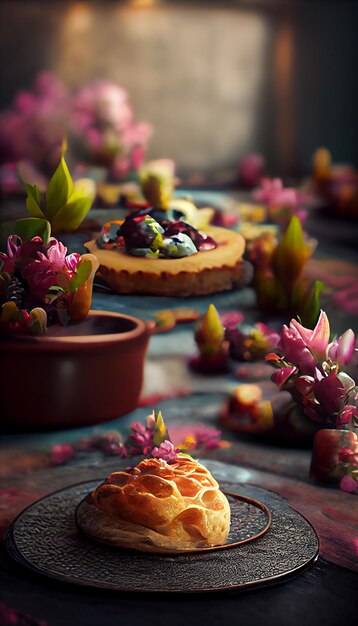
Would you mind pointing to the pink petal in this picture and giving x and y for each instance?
(304, 384)
(347, 414)
(341, 350)
(280, 377)
(316, 339)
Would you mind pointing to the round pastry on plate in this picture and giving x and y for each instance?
(157, 507)
(158, 252)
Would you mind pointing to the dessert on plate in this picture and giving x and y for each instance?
(158, 506)
(159, 252)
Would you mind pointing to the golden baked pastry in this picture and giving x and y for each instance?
(157, 507)
(219, 269)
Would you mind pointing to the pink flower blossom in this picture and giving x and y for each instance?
(34, 128)
(9, 259)
(305, 384)
(251, 168)
(282, 376)
(104, 129)
(347, 414)
(317, 339)
(71, 261)
(61, 453)
(55, 252)
(294, 348)
(329, 392)
(348, 484)
(274, 194)
(230, 319)
(141, 439)
(343, 453)
(165, 451)
(341, 350)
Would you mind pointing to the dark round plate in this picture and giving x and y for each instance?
(45, 540)
(249, 520)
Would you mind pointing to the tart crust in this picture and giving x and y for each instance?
(207, 272)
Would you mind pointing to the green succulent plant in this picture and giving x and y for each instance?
(64, 205)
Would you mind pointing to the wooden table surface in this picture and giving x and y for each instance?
(326, 593)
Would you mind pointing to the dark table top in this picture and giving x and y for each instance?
(324, 593)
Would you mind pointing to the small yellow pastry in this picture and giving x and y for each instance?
(158, 507)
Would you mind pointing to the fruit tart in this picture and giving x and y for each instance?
(159, 252)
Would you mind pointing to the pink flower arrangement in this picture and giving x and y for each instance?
(165, 451)
(249, 342)
(34, 128)
(311, 369)
(98, 120)
(150, 440)
(104, 130)
(38, 264)
(36, 273)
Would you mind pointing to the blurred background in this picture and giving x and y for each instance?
(214, 80)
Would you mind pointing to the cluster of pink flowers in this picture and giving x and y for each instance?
(98, 121)
(104, 129)
(38, 264)
(34, 128)
(311, 369)
(248, 342)
(282, 202)
(140, 442)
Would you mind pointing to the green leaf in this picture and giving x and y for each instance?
(75, 210)
(33, 208)
(30, 227)
(160, 431)
(33, 200)
(82, 274)
(291, 254)
(33, 191)
(310, 304)
(59, 190)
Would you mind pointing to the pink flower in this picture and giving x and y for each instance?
(141, 439)
(230, 319)
(34, 128)
(199, 436)
(295, 350)
(55, 252)
(274, 194)
(317, 339)
(72, 260)
(347, 414)
(104, 129)
(348, 484)
(61, 453)
(341, 350)
(39, 276)
(329, 392)
(9, 259)
(305, 384)
(282, 376)
(343, 453)
(251, 169)
(165, 451)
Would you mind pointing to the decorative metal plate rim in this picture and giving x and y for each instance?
(226, 546)
(20, 559)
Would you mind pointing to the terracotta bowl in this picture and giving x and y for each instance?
(84, 373)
